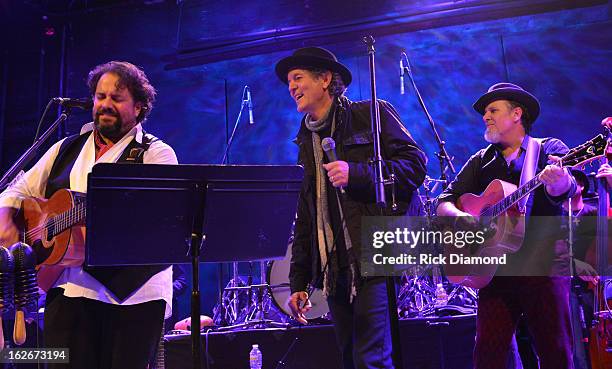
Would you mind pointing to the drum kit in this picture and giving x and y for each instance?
(265, 304)
(422, 292)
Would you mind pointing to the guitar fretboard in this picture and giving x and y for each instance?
(503, 205)
(67, 219)
(589, 150)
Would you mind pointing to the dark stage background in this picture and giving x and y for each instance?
(199, 55)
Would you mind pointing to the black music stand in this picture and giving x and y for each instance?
(172, 214)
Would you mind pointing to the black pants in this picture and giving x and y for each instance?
(363, 328)
(544, 303)
(100, 335)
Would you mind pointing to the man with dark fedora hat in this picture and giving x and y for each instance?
(335, 195)
(519, 288)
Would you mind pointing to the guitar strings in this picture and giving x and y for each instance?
(60, 222)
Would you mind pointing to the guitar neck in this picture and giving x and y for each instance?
(504, 204)
(69, 218)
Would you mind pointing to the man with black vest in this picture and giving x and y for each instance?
(335, 194)
(108, 317)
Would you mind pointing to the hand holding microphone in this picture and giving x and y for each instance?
(337, 170)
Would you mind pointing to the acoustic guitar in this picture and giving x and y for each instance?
(497, 205)
(55, 228)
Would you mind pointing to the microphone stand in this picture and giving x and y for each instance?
(221, 310)
(245, 101)
(379, 185)
(196, 345)
(33, 150)
(446, 162)
(251, 315)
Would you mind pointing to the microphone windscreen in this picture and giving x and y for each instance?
(7, 263)
(26, 288)
(328, 144)
(24, 256)
(7, 270)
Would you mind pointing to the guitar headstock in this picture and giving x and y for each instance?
(606, 123)
(592, 149)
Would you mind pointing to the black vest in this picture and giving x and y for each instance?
(121, 281)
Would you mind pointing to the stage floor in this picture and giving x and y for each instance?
(427, 343)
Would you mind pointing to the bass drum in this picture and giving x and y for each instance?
(279, 284)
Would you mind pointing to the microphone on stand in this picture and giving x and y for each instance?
(402, 75)
(329, 147)
(404, 57)
(26, 288)
(7, 267)
(249, 103)
(84, 103)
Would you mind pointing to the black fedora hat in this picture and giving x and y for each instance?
(512, 92)
(582, 178)
(312, 57)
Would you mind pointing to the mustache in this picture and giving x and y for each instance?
(107, 111)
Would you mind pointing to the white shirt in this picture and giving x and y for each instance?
(75, 281)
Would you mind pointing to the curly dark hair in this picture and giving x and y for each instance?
(336, 87)
(130, 77)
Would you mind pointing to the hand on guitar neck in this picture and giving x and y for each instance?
(605, 170)
(9, 233)
(555, 178)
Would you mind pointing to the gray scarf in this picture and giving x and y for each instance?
(325, 234)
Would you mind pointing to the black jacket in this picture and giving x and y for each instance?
(354, 144)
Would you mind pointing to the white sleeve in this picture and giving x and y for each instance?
(160, 153)
(33, 183)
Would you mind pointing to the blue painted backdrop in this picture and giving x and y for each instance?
(561, 57)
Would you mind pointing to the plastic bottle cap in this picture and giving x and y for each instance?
(255, 346)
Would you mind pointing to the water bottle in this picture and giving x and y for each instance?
(255, 359)
(441, 296)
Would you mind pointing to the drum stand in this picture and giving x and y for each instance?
(417, 296)
(230, 310)
(258, 306)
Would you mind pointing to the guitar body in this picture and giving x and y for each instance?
(59, 242)
(509, 232)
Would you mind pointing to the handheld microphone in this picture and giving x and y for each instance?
(26, 288)
(84, 103)
(250, 105)
(329, 147)
(401, 75)
(7, 267)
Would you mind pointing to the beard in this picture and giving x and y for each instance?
(492, 136)
(112, 131)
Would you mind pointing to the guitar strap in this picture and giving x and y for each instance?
(530, 165)
(59, 176)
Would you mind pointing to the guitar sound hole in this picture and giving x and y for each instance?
(50, 233)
